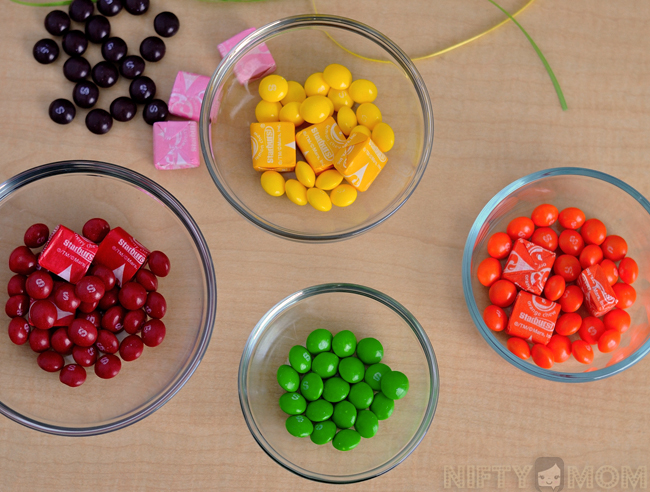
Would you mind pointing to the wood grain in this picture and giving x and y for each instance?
(497, 118)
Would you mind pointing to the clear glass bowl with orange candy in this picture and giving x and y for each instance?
(555, 274)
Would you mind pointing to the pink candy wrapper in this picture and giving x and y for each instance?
(176, 145)
(187, 95)
(255, 64)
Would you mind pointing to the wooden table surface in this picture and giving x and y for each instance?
(497, 118)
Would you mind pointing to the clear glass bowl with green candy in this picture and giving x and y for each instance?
(366, 313)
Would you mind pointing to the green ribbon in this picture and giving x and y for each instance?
(556, 84)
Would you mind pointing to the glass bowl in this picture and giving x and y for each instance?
(300, 47)
(70, 193)
(622, 209)
(367, 313)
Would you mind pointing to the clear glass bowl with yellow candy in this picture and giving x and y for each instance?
(328, 129)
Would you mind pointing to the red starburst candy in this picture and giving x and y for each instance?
(67, 254)
(533, 318)
(120, 252)
(529, 266)
(599, 295)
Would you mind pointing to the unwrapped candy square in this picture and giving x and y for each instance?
(253, 65)
(176, 145)
(187, 95)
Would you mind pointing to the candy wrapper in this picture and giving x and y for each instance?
(67, 254)
(533, 318)
(529, 266)
(176, 145)
(273, 146)
(360, 161)
(600, 298)
(320, 143)
(123, 254)
(255, 64)
(187, 95)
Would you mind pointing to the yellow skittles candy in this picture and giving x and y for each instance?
(295, 93)
(368, 115)
(315, 85)
(363, 91)
(305, 174)
(296, 192)
(383, 136)
(328, 180)
(340, 99)
(315, 109)
(273, 183)
(346, 119)
(361, 129)
(319, 199)
(337, 167)
(267, 112)
(273, 88)
(291, 113)
(343, 195)
(337, 76)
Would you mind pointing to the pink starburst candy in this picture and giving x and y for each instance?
(187, 95)
(176, 145)
(255, 64)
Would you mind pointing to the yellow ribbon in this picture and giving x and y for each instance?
(431, 55)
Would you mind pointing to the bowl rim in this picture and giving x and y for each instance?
(103, 169)
(486, 333)
(272, 30)
(396, 307)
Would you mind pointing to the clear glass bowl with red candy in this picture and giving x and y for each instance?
(624, 213)
(184, 299)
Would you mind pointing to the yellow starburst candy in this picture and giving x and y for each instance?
(320, 143)
(360, 161)
(273, 146)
